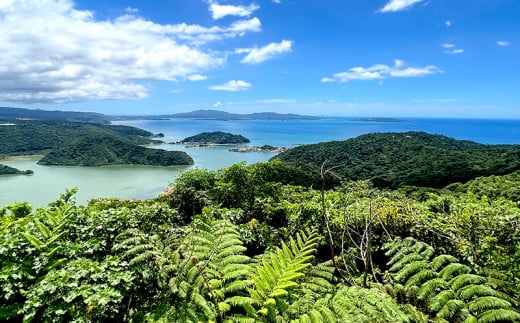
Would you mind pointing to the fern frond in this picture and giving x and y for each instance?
(430, 288)
(438, 301)
(487, 303)
(471, 291)
(466, 279)
(454, 268)
(410, 269)
(450, 309)
(500, 315)
(441, 261)
(420, 277)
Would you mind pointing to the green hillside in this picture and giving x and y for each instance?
(410, 158)
(26, 136)
(102, 151)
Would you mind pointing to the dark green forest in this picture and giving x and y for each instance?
(391, 160)
(243, 244)
(7, 170)
(216, 137)
(85, 144)
(102, 151)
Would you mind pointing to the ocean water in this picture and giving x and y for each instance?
(145, 182)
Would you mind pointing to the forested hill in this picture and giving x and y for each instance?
(216, 137)
(85, 144)
(24, 136)
(102, 151)
(409, 158)
(7, 170)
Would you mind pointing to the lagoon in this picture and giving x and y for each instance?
(142, 182)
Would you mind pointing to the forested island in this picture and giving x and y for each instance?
(215, 138)
(7, 170)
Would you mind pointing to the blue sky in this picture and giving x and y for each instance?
(401, 58)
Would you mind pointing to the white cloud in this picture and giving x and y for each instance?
(270, 51)
(503, 43)
(277, 1)
(454, 51)
(399, 5)
(196, 77)
(232, 86)
(53, 52)
(219, 11)
(451, 49)
(380, 72)
(448, 23)
(217, 104)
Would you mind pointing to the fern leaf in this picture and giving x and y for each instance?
(410, 270)
(33, 240)
(454, 268)
(441, 261)
(471, 291)
(438, 301)
(466, 279)
(487, 303)
(45, 232)
(499, 315)
(450, 309)
(419, 278)
(430, 287)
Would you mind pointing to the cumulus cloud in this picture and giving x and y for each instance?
(503, 43)
(220, 11)
(232, 86)
(258, 55)
(52, 52)
(380, 72)
(399, 5)
(448, 23)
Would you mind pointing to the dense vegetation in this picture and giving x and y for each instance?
(85, 144)
(216, 137)
(30, 136)
(7, 170)
(238, 245)
(410, 158)
(102, 151)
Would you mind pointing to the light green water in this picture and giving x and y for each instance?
(48, 182)
(139, 182)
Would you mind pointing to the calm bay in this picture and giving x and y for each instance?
(145, 182)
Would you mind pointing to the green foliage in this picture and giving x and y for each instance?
(102, 151)
(397, 159)
(216, 137)
(445, 288)
(7, 170)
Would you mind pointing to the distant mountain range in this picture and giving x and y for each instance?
(7, 114)
(221, 115)
(19, 113)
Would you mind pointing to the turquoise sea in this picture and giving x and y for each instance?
(145, 182)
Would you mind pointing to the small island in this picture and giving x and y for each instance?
(214, 138)
(7, 170)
